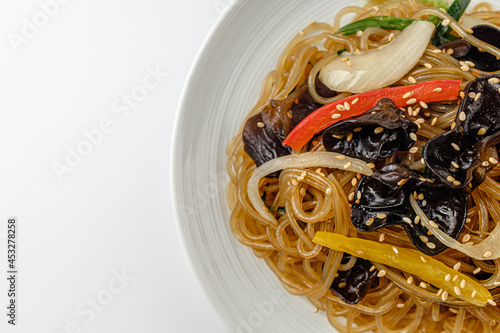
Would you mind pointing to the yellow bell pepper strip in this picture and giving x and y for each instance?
(411, 261)
(355, 105)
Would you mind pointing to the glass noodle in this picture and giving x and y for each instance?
(299, 209)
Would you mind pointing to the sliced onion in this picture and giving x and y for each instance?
(380, 67)
(305, 160)
(487, 249)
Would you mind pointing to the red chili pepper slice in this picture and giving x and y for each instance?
(355, 105)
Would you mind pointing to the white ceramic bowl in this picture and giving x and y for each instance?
(222, 87)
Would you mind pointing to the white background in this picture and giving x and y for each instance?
(70, 70)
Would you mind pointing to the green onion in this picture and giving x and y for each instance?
(384, 22)
(456, 10)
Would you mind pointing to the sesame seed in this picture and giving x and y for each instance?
(381, 215)
(439, 292)
(340, 157)
(381, 273)
(300, 179)
(391, 36)
(473, 294)
(411, 101)
(381, 238)
(344, 59)
(370, 221)
(447, 278)
(359, 33)
(349, 137)
(423, 259)
(357, 129)
(462, 116)
(494, 80)
(465, 68)
(445, 22)
(354, 101)
(434, 121)
(360, 252)
(455, 278)
(395, 249)
(302, 192)
(431, 245)
(462, 94)
(477, 270)
(410, 111)
(358, 176)
(342, 285)
(444, 296)
(261, 124)
(492, 160)
(462, 283)
(487, 254)
(294, 182)
(423, 238)
(371, 165)
(358, 195)
(429, 66)
(455, 164)
(477, 97)
(349, 63)
(453, 125)
(354, 181)
(457, 290)
(469, 30)
(491, 302)
(338, 137)
(438, 90)
(400, 305)
(347, 106)
(455, 146)
(413, 150)
(416, 220)
(420, 120)
(433, 224)
(457, 183)
(420, 197)
(424, 203)
(289, 114)
(329, 191)
(423, 285)
(482, 131)
(413, 136)
(372, 268)
(412, 79)
(457, 266)
(465, 238)
(378, 130)
(408, 94)
(415, 195)
(485, 163)
(340, 107)
(347, 165)
(472, 94)
(451, 179)
(407, 220)
(437, 51)
(336, 116)
(450, 51)
(351, 196)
